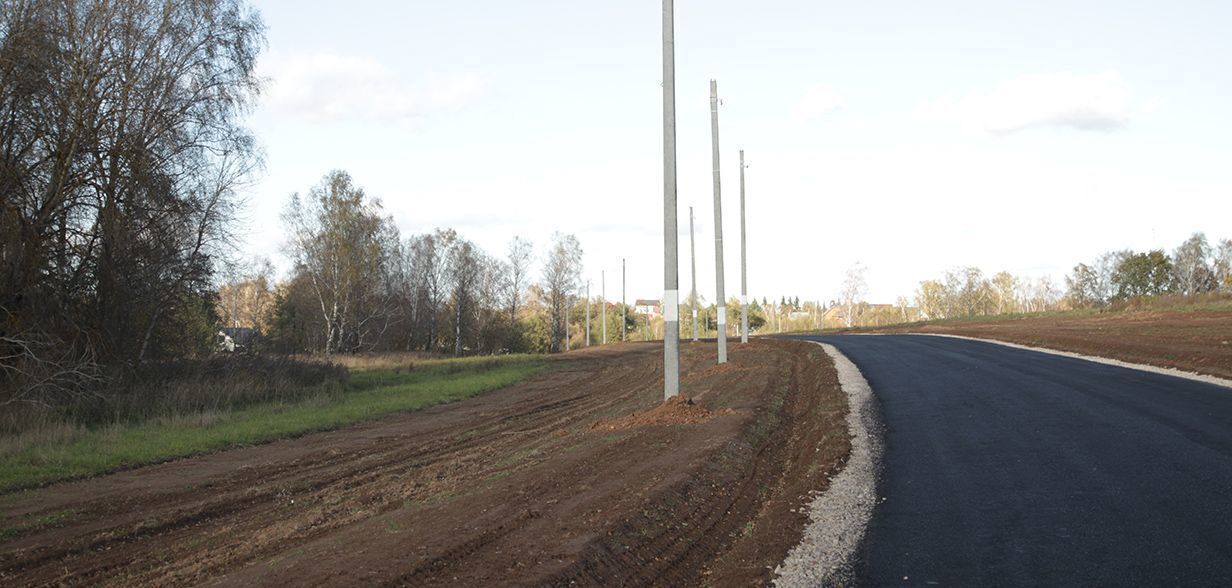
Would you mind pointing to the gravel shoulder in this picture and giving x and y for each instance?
(839, 515)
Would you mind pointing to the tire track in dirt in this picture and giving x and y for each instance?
(511, 484)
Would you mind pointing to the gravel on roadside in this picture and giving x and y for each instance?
(839, 516)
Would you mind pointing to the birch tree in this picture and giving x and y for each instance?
(430, 255)
(520, 255)
(561, 271)
(1082, 286)
(465, 272)
(931, 298)
(1003, 286)
(336, 239)
(1191, 271)
(854, 290)
(1221, 265)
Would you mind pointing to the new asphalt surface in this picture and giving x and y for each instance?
(1009, 467)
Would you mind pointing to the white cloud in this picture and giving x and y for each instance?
(819, 99)
(1099, 102)
(329, 87)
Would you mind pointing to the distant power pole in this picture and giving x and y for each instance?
(588, 313)
(744, 266)
(671, 283)
(623, 306)
(603, 301)
(718, 221)
(567, 322)
(693, 262)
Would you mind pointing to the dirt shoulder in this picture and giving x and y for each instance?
(575, 476)
(1195, 341)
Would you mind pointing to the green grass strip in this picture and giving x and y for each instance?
(371, 394)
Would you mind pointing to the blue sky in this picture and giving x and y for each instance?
(912, 137)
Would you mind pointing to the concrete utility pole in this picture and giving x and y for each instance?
(603, 301)
(566, 322)
(744, 265)
(623, 306)
(588, 313)
(718, 221)
(671, 284)
(693, 262)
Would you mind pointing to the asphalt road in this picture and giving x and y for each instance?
(1007, 467)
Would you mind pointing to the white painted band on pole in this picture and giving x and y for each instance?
(744, 301)
(722, 315)
(671, 303)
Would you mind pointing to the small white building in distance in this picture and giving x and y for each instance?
(650, 308)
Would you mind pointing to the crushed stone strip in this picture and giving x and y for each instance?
(839, 516)
(1097, 359)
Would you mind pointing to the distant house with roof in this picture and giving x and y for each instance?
(650, 308)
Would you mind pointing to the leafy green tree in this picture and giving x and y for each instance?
(1143, 274)
(757, 316)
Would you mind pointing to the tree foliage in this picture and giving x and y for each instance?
(965, 292)
(1143, 274)
(854, 290)
(561, 275)
(342, 244)
(121, 152)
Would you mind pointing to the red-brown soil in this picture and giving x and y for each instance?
(1195, 340)
(524, 485)
(677, 410)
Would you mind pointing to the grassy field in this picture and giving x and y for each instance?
(375, 390)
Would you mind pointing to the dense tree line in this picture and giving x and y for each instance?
(121, 152)
(1195, 267)
(358, 285)
(967, 292)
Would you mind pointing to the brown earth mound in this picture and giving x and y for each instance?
(714, 370)
(677, 410)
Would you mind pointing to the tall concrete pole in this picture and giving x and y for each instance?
(693, 262)
(603, 301)
(744, 264)
(671, 284)
(588, 313)
(567, 321)
(623, 306)
(720, 296)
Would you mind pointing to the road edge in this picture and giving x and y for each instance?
(839, 516)
(1197, 377)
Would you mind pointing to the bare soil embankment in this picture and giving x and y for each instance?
(1191, 340)
(576, 476)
